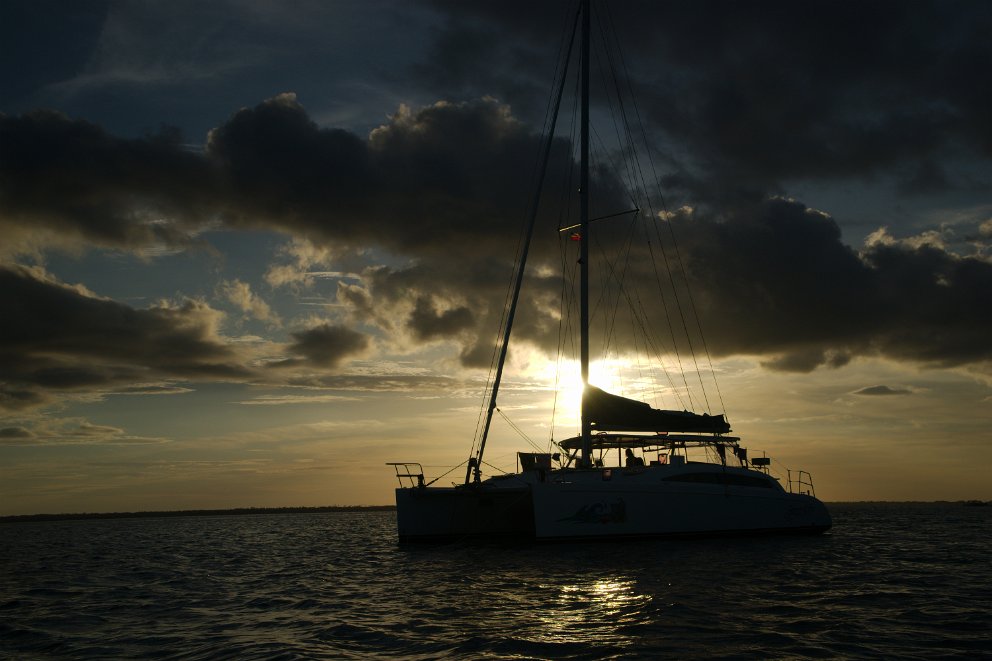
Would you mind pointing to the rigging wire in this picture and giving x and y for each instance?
(656, 180)
(659, 354)
(609, 49)
(611, 274)
(448, 472)
(627, 161)
(517, 429)
(564, 48)
(639, 315)
(627, 143)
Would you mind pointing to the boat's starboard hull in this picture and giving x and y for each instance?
(591, 509)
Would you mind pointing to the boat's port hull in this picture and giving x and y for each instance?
(449, 514)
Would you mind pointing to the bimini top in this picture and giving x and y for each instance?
(623, 441)
(614, 413)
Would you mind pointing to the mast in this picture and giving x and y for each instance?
(584, 236)
(475, 463)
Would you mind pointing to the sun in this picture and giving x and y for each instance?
(620, 376)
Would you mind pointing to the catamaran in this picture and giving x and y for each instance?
(633, 470)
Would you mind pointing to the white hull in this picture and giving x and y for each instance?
(659, 501)
(653, 501)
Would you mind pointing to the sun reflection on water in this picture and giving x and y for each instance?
(598, 609)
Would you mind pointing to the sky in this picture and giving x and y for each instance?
(252, 251)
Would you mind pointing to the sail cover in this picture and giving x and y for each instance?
(614, 413)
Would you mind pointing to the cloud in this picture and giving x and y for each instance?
(60, 338)
(70, 431)
(881, 390)
(426, 210)
(153, 389)
(240, 294)
(279, 400)
(303, 256)
(324, 346)
(448, 170)
(70, 180)
(806, 360)
(780, 271)
(274, 150)
(427, 322)
(752, 96)
(382, 382)
(65, 341)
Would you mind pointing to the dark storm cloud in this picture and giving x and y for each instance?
(752, 94)
(935, 307)
(776, 279)
(428, 322)
(73, 178)
(58, 338)
(447, 169)
(444, 186)
(277, 164)
(443, 190)
(433, 185)
(806, 360)
(324, 346)
(772, 279)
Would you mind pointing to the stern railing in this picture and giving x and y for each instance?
(405, 474)
(802, 483)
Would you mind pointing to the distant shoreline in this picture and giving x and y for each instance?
(238, 511)
(248, 511)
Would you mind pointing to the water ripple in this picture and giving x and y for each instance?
(909, 581)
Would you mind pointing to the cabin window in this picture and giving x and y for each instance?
(721, 478)
(534, 461)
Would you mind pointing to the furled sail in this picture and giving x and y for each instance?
(609, 412)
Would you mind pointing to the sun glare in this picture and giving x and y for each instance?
(620, 376)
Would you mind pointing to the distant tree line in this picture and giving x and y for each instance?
(238, 511)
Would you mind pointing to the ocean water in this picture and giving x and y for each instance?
(889, 581)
